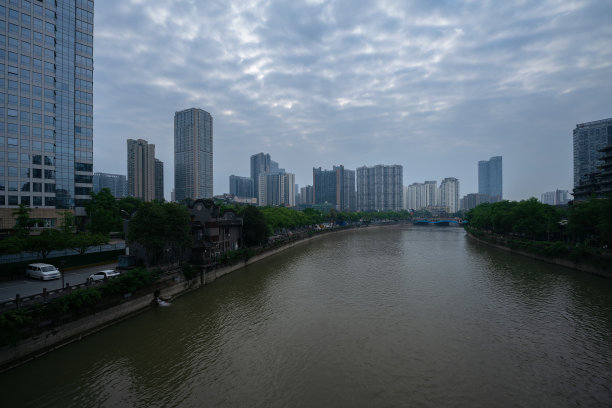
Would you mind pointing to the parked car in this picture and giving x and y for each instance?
(101, 275)
(42, 271)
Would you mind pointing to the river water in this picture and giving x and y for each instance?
(387, 317)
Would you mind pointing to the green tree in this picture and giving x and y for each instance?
(48, 240)
(254, 228)
(162, 229)
(103, 213)
(82, 242)
(23, 222)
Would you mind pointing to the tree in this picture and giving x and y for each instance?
(161, 229)
(82, 242)
(103, 213)
(23, 223)
(48, 240)
(254, 227)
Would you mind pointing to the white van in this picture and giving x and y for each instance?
(42, 271)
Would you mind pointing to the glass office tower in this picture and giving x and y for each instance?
(490, 180)
(46, 103)
(193, 154)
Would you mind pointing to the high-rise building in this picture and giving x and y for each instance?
(422, 195)
(335, 187)
(589, 139)
(46, 105)
(193, 154)
(306, 195)
(241, 186)
(379, 188)
(558, 197)
(473, 200)
(116, 183)
(490, 181)
(276, 189)
(262, 163)
(449, 194)
(141, 169)
(159, 180)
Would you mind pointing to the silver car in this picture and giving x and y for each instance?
(42, 271)
(101, 275)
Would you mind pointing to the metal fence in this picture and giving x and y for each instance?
(29, 256)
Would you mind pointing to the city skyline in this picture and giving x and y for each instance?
(433, 88)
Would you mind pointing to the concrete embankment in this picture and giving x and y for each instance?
(580, 266)
(30, 348)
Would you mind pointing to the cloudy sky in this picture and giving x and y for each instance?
(432, 85)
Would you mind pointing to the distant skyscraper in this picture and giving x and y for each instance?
(306, 195)
(335, 186)
(46, 120)
(323, 186)
(558, 197)
(276, 189)
(380, 188)
(141, 169)
(449, 194)
(589, 139)
(262, 163)
(159, 180)
(490, 178)
(116, 183)
(422, 195)
(193, 154)
(241, 186)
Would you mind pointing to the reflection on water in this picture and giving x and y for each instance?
(377, 317)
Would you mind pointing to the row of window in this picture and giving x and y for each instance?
(27, 5)
(26, 46)
(36, 200)
(26, 61)
(83, 107)
(80, 155)
(84, 96)
(81, 131)
(25, 101)
(12, 142)
(84, 49)
(84, 14)
(84, 143)
(25, 174)
(82, 25)
(85, 61)
(82, 84)
(24, 130)
(83, 120)
(85, 3)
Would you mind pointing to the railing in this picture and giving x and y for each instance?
(30, 256)
(48, 295)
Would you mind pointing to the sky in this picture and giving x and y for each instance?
(434, 86)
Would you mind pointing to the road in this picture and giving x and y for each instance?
(28, 286)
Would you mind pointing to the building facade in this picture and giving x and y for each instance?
(306, 195)
(599, 183)
(116, 183)
(473, 200)
(141, 169)
(422, 195)
(46, 106)
(193, 154)
(335, 187)
(490, 178)
(262, 163)
(159, 180)
(589, 139)
(449, 194)
(276, 189)
(558, 197)
(241, 186)
(380, 188)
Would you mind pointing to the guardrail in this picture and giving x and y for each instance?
(48, 295)
(30, 256)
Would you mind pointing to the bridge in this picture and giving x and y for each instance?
(439, 222)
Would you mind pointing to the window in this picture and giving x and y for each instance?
(49, 161)
(36, 159)
(24, 172)
(25, 186)
(50, 201)
(12, 200)
(37, 173)
(12, 171)
(49, 147)
(13, 185)
(37, 187)
(12, 142)
(25, 199)
(49, 188)
(36, 200)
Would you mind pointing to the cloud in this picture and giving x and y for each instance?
(432, 86)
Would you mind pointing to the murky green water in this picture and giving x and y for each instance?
(392, 317)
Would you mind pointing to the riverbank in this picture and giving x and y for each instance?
(576, 265)
(174, 285)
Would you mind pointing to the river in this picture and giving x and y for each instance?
(378, 317)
